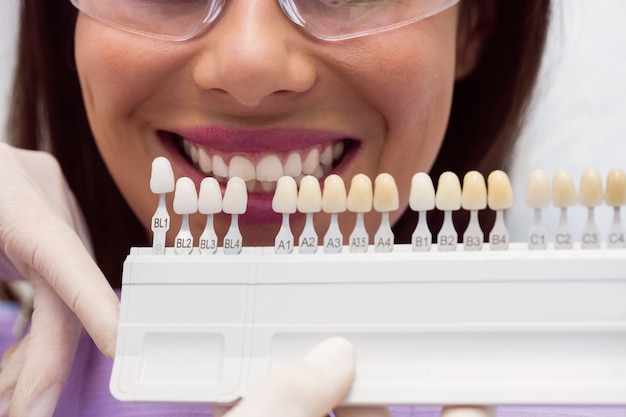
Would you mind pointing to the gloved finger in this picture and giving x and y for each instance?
(218, 410)
(11, 367)
(12, 353)
(362, 412)
(54, 336)
(468, 411)
(310, 388)
(41, 229)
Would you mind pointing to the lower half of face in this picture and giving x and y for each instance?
(286, 105)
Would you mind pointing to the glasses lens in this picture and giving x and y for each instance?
(341, 19)
(177, 19)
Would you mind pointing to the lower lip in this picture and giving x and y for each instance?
(259, 209)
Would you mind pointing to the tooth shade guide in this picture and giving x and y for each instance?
(448, 199)
(334, 201)
(285, 199)
(285, 202)
(209, 203)
(591, 195)
(499, 198)
(333, 239)
(615, 196)
(616, 236)
(308, 240)
(185, 203)
(588, 196)
(159, 225)
(386, 199)
(537, 197)
(284, 241)
(499, 191)
(494, 320)
(234, 203)
(161, 183)
(358, 242)
(591, 191)
(537, 235)
(473, 199)
(360, 201)
(309, 202)
(162, 176)
(235, 199)
(421, 200)
(564, 195)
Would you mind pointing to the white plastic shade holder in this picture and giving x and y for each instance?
(466, 327)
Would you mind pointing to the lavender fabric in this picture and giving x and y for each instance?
(87, 392)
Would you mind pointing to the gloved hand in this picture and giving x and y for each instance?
(311, 387)
(315, 385)
(43, 238)
(468, 411)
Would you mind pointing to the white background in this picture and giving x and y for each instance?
(579, 117)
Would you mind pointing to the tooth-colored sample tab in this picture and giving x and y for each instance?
(235, 197)
(538, 190)
(563, 190)
(310, 195)
(185, 196)
(210, 197)
(615, 195)
(286, 196)
(334, 199)
(500, 192)
(386, 196)
(162, 177)
(591, 193)
(361, 195)
(448, 195)
(474, 194)
(422, 196)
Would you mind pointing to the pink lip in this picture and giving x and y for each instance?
(238, 140)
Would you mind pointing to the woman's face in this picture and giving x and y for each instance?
(254, 89)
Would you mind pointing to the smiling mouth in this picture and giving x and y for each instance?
(262, 170)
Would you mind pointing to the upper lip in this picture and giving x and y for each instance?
(257, 140)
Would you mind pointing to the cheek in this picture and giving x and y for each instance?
(412, 87)
(119, 74)
(120, 85)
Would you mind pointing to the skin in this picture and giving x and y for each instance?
(255, 69)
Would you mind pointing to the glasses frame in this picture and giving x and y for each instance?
(289, 7)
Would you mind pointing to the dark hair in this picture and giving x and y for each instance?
(48, 113)
(489, 106)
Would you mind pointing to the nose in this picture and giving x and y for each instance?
(252, 52)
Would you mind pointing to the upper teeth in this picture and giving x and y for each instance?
(265, 167)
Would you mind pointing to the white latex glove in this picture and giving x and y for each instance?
(468, 411)
(44, 239)
(315, 385)
(311, 387)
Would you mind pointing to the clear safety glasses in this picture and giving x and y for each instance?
(330, 20)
